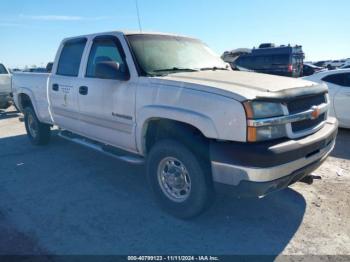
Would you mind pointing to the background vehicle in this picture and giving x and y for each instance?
(5, 87)
(346, 64)
(268, 59)
(322, 63)
(231, 56)
(310, 69)
(36, 70)
(335, 64)
(169, 101)
(14, 70)
(338, 82)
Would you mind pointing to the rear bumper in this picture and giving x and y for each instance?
(258, 169)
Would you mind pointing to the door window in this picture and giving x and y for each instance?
(107, 60)
(3, 70)
(69, 62)
(337, 79)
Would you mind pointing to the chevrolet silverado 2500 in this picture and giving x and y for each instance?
(170, 102)
(5, 87)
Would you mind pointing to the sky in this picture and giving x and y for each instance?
(30, 31)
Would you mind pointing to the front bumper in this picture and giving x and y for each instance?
(256, 169)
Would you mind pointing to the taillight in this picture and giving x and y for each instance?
(290, 68)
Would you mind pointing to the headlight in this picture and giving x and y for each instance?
(258, 109)
(263, 133)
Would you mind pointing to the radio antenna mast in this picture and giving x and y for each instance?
(138, 14)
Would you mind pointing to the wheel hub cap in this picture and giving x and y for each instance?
(174, 179)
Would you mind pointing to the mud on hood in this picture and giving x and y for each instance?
(243, 85)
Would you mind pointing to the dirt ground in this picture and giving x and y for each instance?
(66, 199)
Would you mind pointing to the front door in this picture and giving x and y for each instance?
(107, 95)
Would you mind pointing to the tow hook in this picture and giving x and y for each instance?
(309, 179)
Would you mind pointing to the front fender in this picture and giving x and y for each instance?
(200, 121)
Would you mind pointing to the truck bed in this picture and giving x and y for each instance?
(35, 84)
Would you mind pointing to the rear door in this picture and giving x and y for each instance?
(5, 80)
(64, 84)
(107, 94)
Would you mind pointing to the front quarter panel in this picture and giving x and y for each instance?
(216, 116)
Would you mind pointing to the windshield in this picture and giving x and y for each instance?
(167, 54)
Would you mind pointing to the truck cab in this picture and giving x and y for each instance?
(171, 103)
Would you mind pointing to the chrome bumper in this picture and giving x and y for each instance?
(233, 174)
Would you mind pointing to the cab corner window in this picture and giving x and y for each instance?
(107, 60)
(70, 58)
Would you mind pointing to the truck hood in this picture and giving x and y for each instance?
(242, 85)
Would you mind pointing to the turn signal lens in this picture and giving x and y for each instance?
(251, 134)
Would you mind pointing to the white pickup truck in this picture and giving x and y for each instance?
(5, 87)
(170, 102)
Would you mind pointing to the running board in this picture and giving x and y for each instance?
(105, 149)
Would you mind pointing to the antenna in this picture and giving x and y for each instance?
(138, 14)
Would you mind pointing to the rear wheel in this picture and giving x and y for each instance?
(178, 179)
(38, 133)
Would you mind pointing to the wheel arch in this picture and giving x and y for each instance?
(163, 119)
(26, 98)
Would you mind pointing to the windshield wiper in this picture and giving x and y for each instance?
(214, 68)
(176, 69)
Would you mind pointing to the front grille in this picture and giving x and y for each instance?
(307, 124)
(303, 104)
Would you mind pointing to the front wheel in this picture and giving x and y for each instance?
(178, 179)
(38, 133)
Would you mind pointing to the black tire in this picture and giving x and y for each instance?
(42, 131)
(201, 193)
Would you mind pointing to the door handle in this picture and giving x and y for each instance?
(83, 90)
(55, 87)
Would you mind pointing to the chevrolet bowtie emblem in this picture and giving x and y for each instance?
(316, 111)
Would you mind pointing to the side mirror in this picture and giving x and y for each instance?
(111, 70)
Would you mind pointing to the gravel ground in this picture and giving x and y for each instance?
(66, 199)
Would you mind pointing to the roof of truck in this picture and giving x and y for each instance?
(126, 32)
